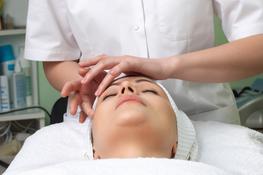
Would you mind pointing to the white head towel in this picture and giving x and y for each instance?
(187, 148)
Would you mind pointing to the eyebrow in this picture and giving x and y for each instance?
(137, 81)
(145, 80)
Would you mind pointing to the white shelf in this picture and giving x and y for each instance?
(16, 37)
(12, 32)
(25, 115)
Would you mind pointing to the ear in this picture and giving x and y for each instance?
(95, 155)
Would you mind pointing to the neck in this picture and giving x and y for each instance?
(132, 150)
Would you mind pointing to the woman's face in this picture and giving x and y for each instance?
(133, 118)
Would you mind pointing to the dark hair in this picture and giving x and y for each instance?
(91, 137)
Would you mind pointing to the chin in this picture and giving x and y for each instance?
(131, 117)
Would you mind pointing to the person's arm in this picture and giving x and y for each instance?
(64, 76)
(60, 72)
(228, 62)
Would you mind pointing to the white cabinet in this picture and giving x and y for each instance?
(36, 116)
(16, 37)
(17, 11)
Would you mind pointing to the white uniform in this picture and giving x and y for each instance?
(70, 29)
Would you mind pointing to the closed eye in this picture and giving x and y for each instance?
(150, 91)
(108, 96)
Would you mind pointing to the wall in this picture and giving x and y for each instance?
(47, 94)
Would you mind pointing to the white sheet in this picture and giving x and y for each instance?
(233, 149)
(140, 166)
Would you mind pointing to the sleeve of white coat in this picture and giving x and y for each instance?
(48, 35)
(240, 18)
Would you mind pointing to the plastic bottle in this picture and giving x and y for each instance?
(7, 65)
(7, 60)
(18, 87)
(27, 70)
(4, 94)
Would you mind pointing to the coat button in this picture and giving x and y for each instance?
(136, 28)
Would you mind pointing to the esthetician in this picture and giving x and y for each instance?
(164, 39)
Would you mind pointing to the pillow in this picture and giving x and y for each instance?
(233, 148)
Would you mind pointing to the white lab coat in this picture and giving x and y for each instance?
(70, 29)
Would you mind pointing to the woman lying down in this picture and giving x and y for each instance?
(135, 117)
(136, 129)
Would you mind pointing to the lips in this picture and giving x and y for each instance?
(128, 98)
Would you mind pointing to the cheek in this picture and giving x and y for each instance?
(102, 119)
(166, 120)
(105, 107)
(163, 112)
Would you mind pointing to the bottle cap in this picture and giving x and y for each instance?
(6, 53)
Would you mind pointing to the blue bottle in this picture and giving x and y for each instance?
(7, 60)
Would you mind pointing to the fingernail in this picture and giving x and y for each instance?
(97, 93)
(112, 72)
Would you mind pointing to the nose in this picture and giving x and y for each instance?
(127, 88)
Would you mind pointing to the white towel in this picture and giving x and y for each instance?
(140, 166)
(232, 148)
